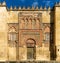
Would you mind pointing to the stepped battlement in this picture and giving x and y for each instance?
(15, 8)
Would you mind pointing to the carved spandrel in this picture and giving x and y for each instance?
(13, 26)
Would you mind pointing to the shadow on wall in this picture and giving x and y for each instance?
(52, 36)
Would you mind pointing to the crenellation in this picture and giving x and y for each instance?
(49, 8)
(0, 3)
(28, 8)
(45, 8)
(37, 8)
(4, 3)
(41, 8)
(59, 3)
(19, 8)
(11, 8)
(15, 8)
(24, 8)
(32, 8)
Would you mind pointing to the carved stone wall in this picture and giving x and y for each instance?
(8, 50)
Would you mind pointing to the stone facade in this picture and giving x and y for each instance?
(35, 29)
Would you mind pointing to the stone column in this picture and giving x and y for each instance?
(17, 52)
(30, 23)
(26, 23)
(37, 23)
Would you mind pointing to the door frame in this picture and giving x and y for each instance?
(31, 44)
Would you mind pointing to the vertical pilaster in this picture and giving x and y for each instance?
(30, 23)
(57, 31)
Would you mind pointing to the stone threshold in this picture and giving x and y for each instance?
(30, 62)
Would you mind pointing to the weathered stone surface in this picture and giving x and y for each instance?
(8, 53)
(57, 29)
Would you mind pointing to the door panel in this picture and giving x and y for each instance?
(30, 53)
